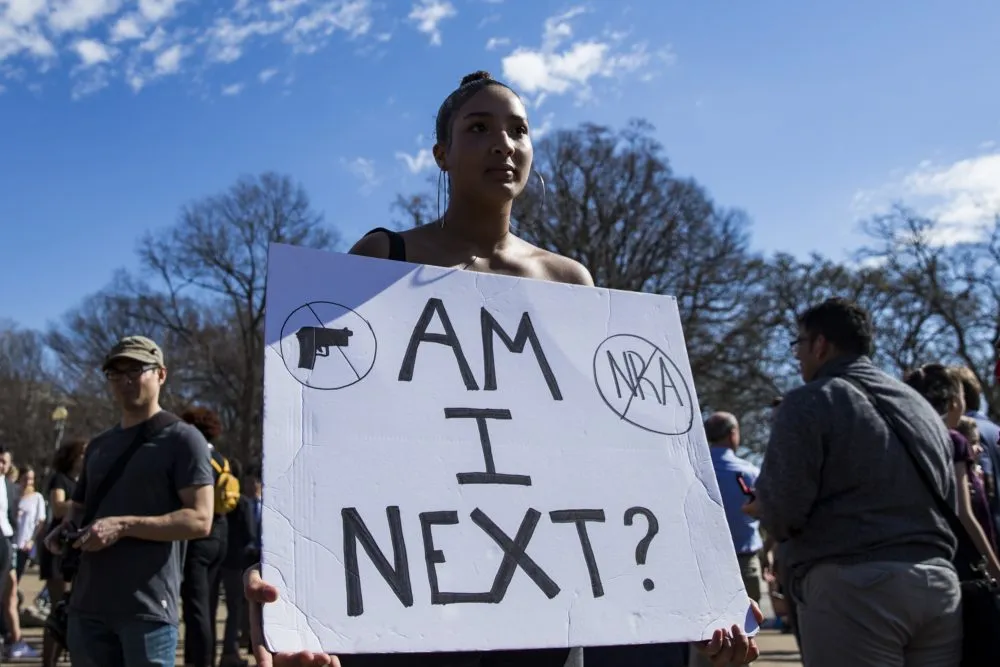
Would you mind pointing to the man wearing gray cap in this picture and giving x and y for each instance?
(146, 488)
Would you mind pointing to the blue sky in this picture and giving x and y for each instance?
(808, 115)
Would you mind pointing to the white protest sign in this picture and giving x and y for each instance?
(458, 461)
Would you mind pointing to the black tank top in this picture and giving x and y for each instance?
(397, 246)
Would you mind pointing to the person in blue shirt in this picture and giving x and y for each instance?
(723, 433)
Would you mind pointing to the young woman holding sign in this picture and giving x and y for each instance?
(484, 153)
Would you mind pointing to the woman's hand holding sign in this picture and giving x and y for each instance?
(727, 646)
(258, 592)
(732, 648)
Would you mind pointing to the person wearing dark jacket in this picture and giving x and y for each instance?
(241, 552)
(867, 551)
(203, 562)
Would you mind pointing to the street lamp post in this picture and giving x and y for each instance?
(59, 416)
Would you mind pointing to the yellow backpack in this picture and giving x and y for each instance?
(227, 487)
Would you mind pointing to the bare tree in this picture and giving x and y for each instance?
(86, 333)
(416, 210)
(948, 292)
(27, 395)
(612, 202)
(215, 256)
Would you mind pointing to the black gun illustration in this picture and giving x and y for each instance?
(317, 341)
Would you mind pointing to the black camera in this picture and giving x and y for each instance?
(69, 561)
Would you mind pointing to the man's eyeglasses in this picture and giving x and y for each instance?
(116, 374)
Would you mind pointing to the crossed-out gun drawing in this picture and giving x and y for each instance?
(317, 341)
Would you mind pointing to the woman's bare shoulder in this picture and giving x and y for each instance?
(563, 269)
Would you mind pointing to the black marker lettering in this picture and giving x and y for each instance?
(637, 369)
(634, 375)
(434, 557)
(626, 377)
(667, 380)
(491, 476)
(449, 338)
(398, 578)
(580, 518)
(525, 334)
(514, 555)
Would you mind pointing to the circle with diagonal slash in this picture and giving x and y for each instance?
(643, 386)
(327, 346)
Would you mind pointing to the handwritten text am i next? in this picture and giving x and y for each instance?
(451, 455)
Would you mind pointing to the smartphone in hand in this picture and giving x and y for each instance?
(747, 491)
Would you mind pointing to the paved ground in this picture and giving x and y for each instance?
(778, 650)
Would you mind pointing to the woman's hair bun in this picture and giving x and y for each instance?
(475, 76)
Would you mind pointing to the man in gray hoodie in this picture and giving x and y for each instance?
(868, 551)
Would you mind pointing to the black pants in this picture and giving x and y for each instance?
(232, 583)
(526, 658)
(23, 558)
(201, 577)
(640, 655)
(648, 655)
(8, 563)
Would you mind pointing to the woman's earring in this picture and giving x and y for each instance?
(439, 216)
(541, 182)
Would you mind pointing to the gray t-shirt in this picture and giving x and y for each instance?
(138, 579)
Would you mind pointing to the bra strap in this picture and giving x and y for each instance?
(397, 246)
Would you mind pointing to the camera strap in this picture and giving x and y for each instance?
(147, 430)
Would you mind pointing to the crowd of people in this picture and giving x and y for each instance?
(869, 487)
(849, 518)
(212, 566)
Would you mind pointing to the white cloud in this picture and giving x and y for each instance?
(561, 66)
(155, 11)
(74, 15)
(557, 28)
(496, 43)
(308, 32)
(92, 52)
(92, 81)
(232, 89)
(155, 41)
(419, 162)
(267, 74)
(15, 40)
(488, 19)
(963, 196)
(226, 37)
(539, 131)
(364, 169)
(126, 29)
(428, 14)
(152, 38)
(23, 12)
(169, 60)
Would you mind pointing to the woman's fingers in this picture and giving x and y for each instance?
(757, 613)
(256, 589)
